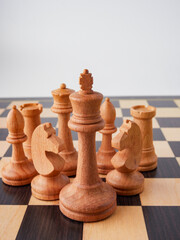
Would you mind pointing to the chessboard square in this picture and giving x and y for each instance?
(171, 134)
(3, 122)
(3, 133)
(5, 113)
(1, 110)
(3, 162)
(75, 143)
(11, 195)
(53, 121)
(155, 123)
(126, 112)
(128, 200)
(118, 112)
(19, 103)
(4, 104)
(158, 135)
(167, 168)
(178, 160)
(115, 103)
(98, 136)
(4, 146)
(46, 104)
(175, 146)
(47, 222)
(47, 113)
(133, 102)
(74, 135)
(11, 218)
(177, 101)
(167, 112)
(161, 192)
(162, 222)
(8, 152)
(98, 144)
(162, 103)
(163, 149)
(35, 201)
(169, 122)
(118, 122)
(127, 222)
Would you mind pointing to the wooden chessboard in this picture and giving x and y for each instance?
(154, 214)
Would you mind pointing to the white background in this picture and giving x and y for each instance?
(132, 47)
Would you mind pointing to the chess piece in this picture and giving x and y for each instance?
(19, 171)
(62, 106)
(143, 117)
(125, 178)
(48, 163)
(87, 198)
(106, 151)
(31, 113)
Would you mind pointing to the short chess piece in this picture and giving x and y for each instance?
(125, 178)
(19, 171)
(62, 106)
(143, 117)
(48, 163)
(106, 151)
(87, 198)
(31, 113)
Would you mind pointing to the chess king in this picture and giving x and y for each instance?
(87, 198)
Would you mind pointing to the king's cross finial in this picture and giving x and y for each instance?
(86, 81)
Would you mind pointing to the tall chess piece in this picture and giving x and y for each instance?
(106, 151)
(48, 163)
(31, 113)
(19, 171)
(62, 106)
(125, 179)
(143, 117)
(87, 198)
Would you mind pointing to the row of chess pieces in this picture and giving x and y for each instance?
(45, 160)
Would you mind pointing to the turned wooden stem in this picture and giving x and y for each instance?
(64, 132)
(106, 143)
(17, 152)
(87, 160)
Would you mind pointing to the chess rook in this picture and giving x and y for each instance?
(87, 198)
(143, 117)
(31, 113)
(125, 178)
(106, 151)
(48, 163)
(62, 106)
(20, 170)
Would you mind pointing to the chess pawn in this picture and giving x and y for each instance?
(62, 106)
(106, 151)
(125, 178)
(87, 198)
(19, 171)
(31, 113)
(48, 163)
(143, 117)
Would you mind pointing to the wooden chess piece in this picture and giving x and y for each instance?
(62, 106)
(106, 151)
(143, 117)
(87, 198)
(45, 150)
(125, 178)
(19, 171)
(31, 113)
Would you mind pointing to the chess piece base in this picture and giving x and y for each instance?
(18, 174)
(104, 161)
(70, 165)
(87, 205)
(126, 184)
(48, 188)
(148, 161)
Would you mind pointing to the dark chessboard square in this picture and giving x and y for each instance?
(128, 200)
(158, 135)
(162, 222)
(47, 104)
(118, 122)
(169, 122)
(53, 121)
(98, 144)
(8, 152)
(175, 146)
(126, 112)
(167, 168)
(115, 103)
(11, 195)
(47, 222)
(162, 103)
(74, 135)
(5, 113)
(3, 133)
(4, 104)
